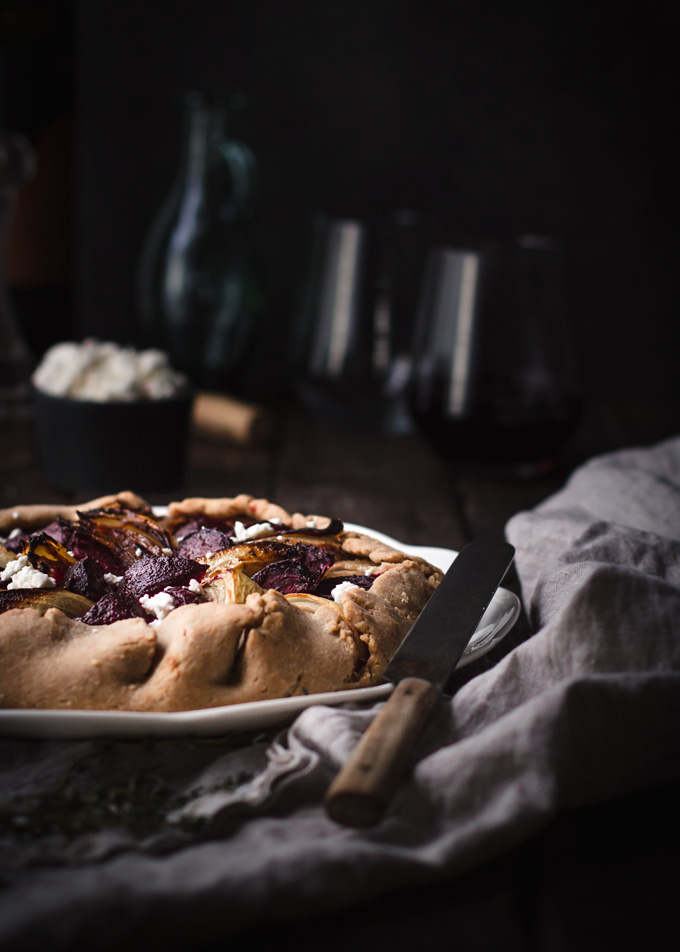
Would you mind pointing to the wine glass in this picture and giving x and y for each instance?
(350, 341)
(494, 376)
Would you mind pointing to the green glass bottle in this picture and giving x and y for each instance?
(199, 292)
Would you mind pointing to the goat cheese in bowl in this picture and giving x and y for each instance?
(106, 372)
(108, 415)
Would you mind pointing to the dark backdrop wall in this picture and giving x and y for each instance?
(497, 118)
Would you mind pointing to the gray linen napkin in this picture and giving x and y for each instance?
(582, 711)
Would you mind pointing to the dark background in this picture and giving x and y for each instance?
(496, 118)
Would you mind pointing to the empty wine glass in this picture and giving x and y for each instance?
(352, 334)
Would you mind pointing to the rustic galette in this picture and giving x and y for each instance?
(112, 606)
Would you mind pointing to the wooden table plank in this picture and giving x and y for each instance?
(223, 469)
(391, 483)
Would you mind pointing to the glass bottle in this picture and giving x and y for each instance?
(17, 164)
(199, 293)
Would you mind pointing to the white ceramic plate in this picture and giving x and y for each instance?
(496, 622)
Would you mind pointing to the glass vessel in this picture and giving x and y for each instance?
(199, 294)
(350, 340)
(495, 377)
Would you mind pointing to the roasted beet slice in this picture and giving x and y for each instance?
(152, 574)
(182, 595)
(286, 576)
(202, 541)
(183, 531)
(84, 545)
(85, 577)
(300, 572)
(315, 558)
(326, 585)
(17, 543)
(116, 537)
(114, 606)
(205, 522)
(59, 530)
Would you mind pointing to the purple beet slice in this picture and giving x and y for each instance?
(17, 543)
(151, 574)
(114, 606)
(116, 537)
(205, 522)
(300, 572)
(84, 545)
(286, 576)
(181, 595)
(326, 585)
(202, 541)
(86, 577)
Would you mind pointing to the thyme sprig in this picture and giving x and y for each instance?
(142, 804)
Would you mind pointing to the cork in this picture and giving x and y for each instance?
(217, 416)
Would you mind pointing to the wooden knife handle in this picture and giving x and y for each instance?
(362, 790)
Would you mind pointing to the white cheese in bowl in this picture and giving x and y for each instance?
(105, 372)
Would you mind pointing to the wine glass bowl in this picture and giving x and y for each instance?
(351, 337)
(494, 376)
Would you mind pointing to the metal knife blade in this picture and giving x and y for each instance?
(420, 668)
(441, 633)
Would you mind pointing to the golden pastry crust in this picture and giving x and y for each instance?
(35, 517)
(262, 645)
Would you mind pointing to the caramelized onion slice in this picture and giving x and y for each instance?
(249, 557)
(68, 602)
(352, 567)
(126, 533)
(231, 586)
(6, 556)
(48, 555)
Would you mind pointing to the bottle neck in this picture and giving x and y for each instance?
(205, 129)
(216, 170)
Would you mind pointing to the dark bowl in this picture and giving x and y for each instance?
(107, 447)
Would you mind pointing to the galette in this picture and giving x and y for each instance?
(115, 605)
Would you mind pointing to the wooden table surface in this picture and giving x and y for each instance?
(597, 876)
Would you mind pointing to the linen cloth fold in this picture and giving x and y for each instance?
(583, 710)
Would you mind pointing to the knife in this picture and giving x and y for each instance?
(361, 792)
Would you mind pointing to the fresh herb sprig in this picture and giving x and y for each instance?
(142, 805)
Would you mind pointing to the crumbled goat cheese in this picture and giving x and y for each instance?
(194, 586)
(106, 373)
(241, 534)
(342, 589)
(19, 573)
(112, 579)
(159, 605)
